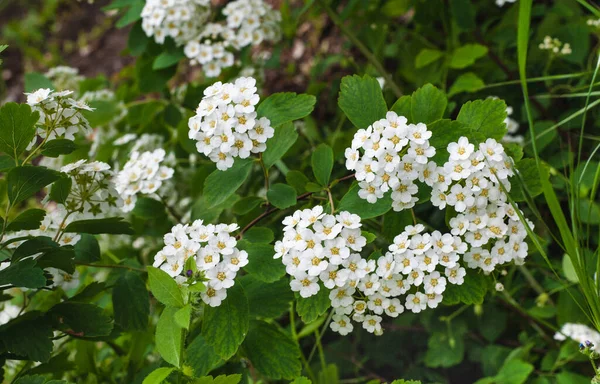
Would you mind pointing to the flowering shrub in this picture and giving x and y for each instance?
(227, 203)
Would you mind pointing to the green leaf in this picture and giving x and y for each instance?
(259, 235)
(35, 81)
(59, 192)
(23, 274)
(403, 106)
(284, 137)
(28, 336)
(164, 288)
(298, 180)
(183, 316)
(158, 375)
(589, 212)
(168, 58)
(261, 263)
(301, 380)
(130, 302)
(427, 56)
(224, 327)
(463, 13)
(35, 379)
(513, 150)
(168, 337)
(221, 379)
(466, 55)
(401, 381)
(138, 41)
(528, 180)
(428, 104)
(322, 163)
(60, 257)
(25, 181)
(246, 204)
(513, 371)
(444, 132)
(267, 300)
(133, 14)
(467, 82)
(272, 352)
(57, 147)
(471, 292)
(109, 225)
(352, 203)
(362, 100)
(485, 116)
(81, 319)
(312, 308)
(201, 357)
(148, 208)
(30, 219)
(281, 195)
(285, 107)
(445, 350)
(87, 248)
(219, 185)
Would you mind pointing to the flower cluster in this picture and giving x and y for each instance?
(555, 46)
(395, 155)
(512, 127)
(594, 23)
(203, 252)
(64, 77)
(578, 332)
(473, 183)
(247, 22)
(60, 115)
(225, 124)
(143, 173)
(501, 3)
(92, 191)
(182, 20)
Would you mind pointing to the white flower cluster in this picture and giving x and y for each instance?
(225, 124)
(247, 22)
(182, 20)
(143, 173)
(93, 191)
(594, 23)
(470, 183)
(64, 77)
(501, 3)
(578, 332)
(512, 127)
(555, 46)
(214, 252)
(60, 115)
(395, 155)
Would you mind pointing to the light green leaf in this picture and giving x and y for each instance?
(30, 219)
(281, 195)
(466, 55)
(158, 375)
(589, 212)
(285, 107)
(427, 56)
(225, 327)
(168, 336)
(362, 100)
(284, 137)
(322, 163)
(310, 309)
(221, 379)
(513, 371)
(261, 263)
(25, 181)
(467, 82)
(35, 81)
(131, 303)
(485, 116)
(219, 185)
(183, 316)
(168, 58)
(164, 288)
(272, 352)
(352, 203)
(301, 380)
(403, 106)
(428, 104)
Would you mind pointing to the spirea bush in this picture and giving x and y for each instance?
(328, 192)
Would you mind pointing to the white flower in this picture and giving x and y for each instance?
(341, 324)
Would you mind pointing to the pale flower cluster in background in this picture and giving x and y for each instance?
(555, 46)
(181, 20)
(578, 332)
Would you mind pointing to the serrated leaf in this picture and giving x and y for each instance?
(272, 352)
(281, 195)
(164, 288)
(485, 116)
(261, 263)
(225, 327)
(158, 375)
(28, 336)
(467, 82)
(25, 181)
(87, 248)
(17, 128)
(131, 303)
(221, 379)
(59, 192)
(24, 274)
(285, 107)
(514, 371)
(183, 315)
(466, 55)
(527, 180)
(284, 137)
(403, 106)
(362, 100)
(472, 291)
(201, 357)
(310, 309)
(30, 219)
(219, 185)
(267, 300)
(428, 104)
(81, 319)
(352, 203)
(168, 336)
(109, 225)
(322, 163)
(427, 56)
(57, 147)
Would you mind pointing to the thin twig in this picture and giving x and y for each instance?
(111, 266)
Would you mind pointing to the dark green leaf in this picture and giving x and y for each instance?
(25, 181)
(110, 225)
(23, 274)
(471, 292)
(310, 309)
(259, 235)
(282, 195)
(285, 107)
(284, 137)
(148, 208)
(267, 300)
(59, 192)
(201, 357)
(219, 185)
(352, 203)
(403, 107)
(467, 82)
(428, 104)
(362, 100)
(81, 319)
(57, 147)
(246, 204)
(168, 58)
(298, 180)
(322, 163)
(28, 336)
(35, 81)
(30, 219)
(485, 116)
(130, 302)
(527, 180)
(87, 248)
(261, 263)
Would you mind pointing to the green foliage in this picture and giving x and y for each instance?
(485, 117)
(352, 203)
(130, 302)
(30, 219)
(17, 128)
(158, 375)
(284, 137)
(219, 185)
(361, 100)
(471, 292)
(466, 55)
(24, 181)
(312, 308)
(110, 225)
(322, 163)
(81, 319)
(281, 108)
(164, 288)
(169, 336)
(282, 195)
